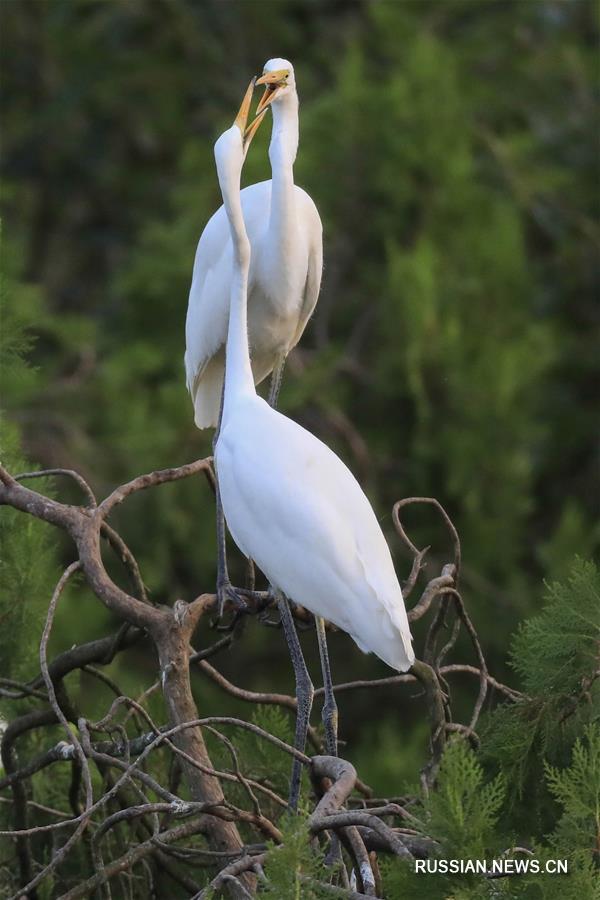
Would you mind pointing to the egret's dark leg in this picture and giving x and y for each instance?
(304, 694)
(225, 590)
(330, 710)
(329, 715)
(276, 379)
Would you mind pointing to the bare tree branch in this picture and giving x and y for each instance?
(134, 800)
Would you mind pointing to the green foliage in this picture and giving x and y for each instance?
(462, 803)
(463, 810)
(461, 815)
(555, 650)
(576, 836)
(28, 562)
(294, 869)
(263, 758)
(275, 720)
(577, 790)
(471, 816)
(28, 566)
(388, 766)
(556, 655)
(258, 758)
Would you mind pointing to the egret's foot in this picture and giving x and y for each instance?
(261, 599)
(268, 600)
(227, 593)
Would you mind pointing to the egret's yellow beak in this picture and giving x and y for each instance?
(241, 119)
(274, 81)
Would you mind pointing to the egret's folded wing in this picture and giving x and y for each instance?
(315, 264)
(206, 319)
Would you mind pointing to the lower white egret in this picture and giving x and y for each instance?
(284, 279)
(291, 504)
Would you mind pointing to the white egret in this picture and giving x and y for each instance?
(290, 503)
(285, 234)
(286, 237)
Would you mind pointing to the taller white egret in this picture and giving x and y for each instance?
(284, 279)
(291, 504)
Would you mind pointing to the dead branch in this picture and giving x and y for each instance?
(133, 798)
(171, 632)
(407, 501)
(437, 717)
(354, 817)
(133, 856)
(268, 699)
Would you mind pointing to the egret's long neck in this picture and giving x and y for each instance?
(238, 371)
(282, 154)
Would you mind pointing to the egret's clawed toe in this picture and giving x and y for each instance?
(228, 596)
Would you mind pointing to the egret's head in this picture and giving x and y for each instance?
(278, 79)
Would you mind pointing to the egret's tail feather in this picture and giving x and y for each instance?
(399, 654)
(396, 652)
(400, 620)
(390, 625)
(207, 399)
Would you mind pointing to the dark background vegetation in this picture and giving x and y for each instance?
(450, 149)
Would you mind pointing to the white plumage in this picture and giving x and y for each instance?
(290, 503)
(293, 506)
(285, 234)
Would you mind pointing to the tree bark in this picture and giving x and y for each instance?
(172, 639)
